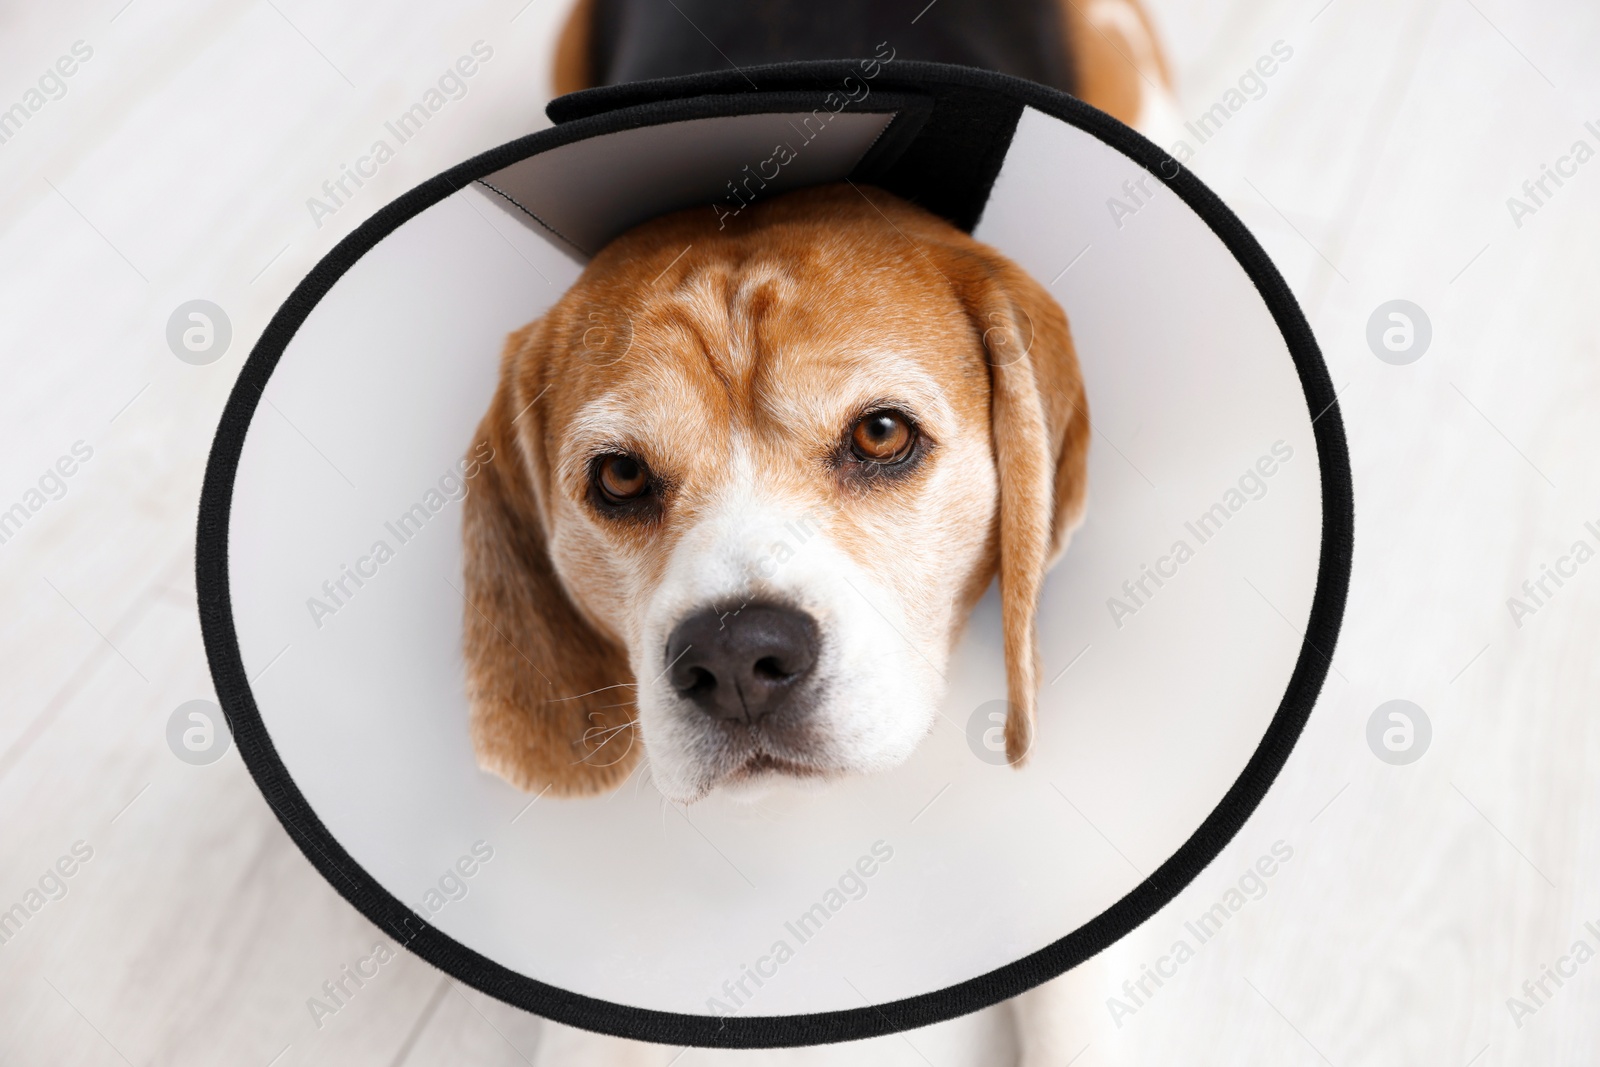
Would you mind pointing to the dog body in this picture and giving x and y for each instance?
(636, 40)
(1103, 51)
(750, 480)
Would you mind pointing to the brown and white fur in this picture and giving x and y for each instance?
(734, 367)
(750, 353)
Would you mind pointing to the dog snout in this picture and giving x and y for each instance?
(742, 664)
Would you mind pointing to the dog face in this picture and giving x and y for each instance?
(748, 484)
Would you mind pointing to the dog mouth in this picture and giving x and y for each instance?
(764, 764)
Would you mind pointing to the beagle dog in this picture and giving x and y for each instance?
(750, 479)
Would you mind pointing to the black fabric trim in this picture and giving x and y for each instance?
(948, 168)
(896, 138)
(583, 116)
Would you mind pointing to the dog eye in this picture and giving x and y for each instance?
(621, 478)
(882, 437)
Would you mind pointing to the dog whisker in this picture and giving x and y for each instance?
(592, 692)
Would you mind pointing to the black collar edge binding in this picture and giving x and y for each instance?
(581, 116)
(821, 75)
(945, 159)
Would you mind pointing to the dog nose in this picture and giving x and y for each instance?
(744, 663)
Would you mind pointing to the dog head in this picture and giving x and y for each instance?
(747, 485)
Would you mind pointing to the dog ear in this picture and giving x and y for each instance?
(552, 698)
(1040, 423)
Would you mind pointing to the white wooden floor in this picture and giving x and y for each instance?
(1376, 166)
